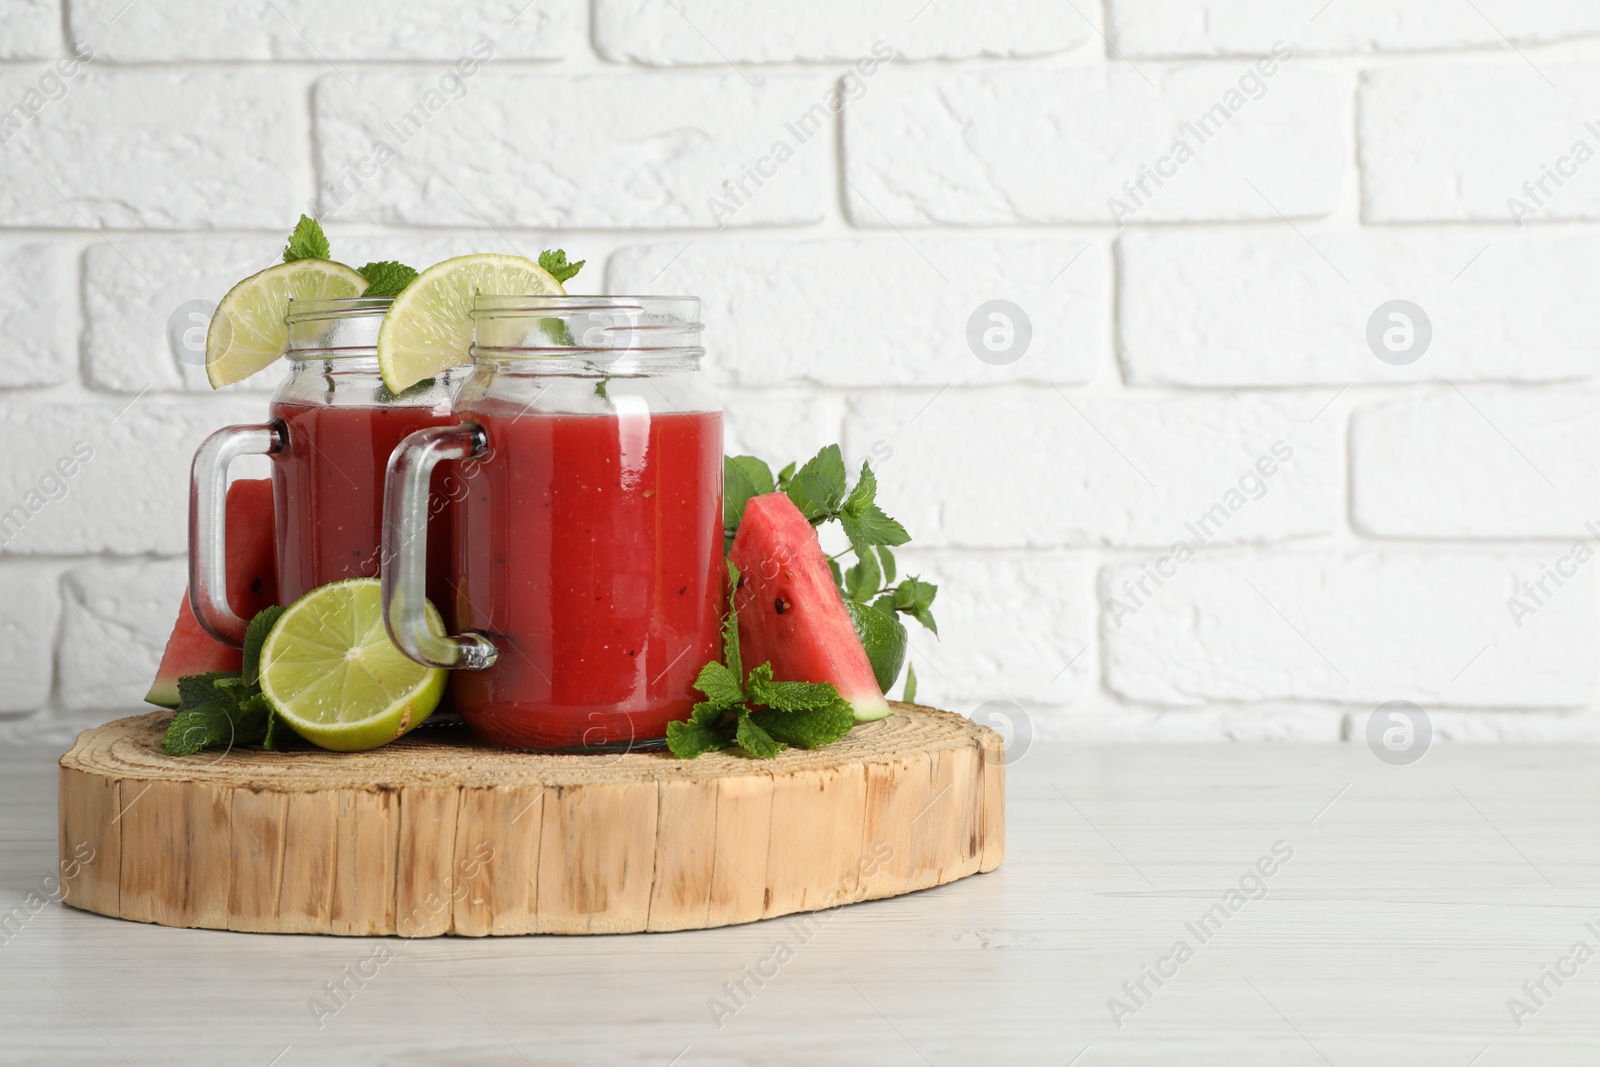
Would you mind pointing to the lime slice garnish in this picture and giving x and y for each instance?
(332, 673)
(248, 330)
(429, 327)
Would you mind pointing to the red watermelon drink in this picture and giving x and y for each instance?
(328, 492)
(588, 538)
(333, 426)
(591, 548)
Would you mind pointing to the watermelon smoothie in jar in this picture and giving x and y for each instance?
(587, 562)
(333, 424)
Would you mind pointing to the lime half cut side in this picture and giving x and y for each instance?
(428, 329)
(248, 331)
(332, 673)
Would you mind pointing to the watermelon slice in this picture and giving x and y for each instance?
(252, 585)
(791, 613)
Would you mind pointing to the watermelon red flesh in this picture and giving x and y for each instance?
(252, 585)
(791, 613)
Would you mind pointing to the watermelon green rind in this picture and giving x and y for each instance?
(791, 613)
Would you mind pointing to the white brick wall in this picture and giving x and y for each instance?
(1204, 216)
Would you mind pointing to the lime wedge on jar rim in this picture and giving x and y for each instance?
(332, 674)
(428, 329)
(248, 330)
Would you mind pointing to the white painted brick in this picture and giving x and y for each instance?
(1356, 627)
(648, 32)
(305, 30)
(1047, 146)
(133, 289)
(1265, 307)
(779, 427)
(118, 619)
(1459, 142)
(1042, 469)
(587, 151)
(38, 298)
(32, 29)
(130, 496)
(882, 311)
(1480, 463)
(159, 149)
(30, 614)
(1250, 27)
(1011, 627)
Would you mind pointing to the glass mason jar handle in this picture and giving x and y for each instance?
(208, 533)
(405, 548)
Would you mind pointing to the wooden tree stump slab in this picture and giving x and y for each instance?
(436, 834)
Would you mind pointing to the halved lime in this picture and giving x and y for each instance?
(248, 330)
(332, 673)
(429, 327)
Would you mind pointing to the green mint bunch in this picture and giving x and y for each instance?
(227, 708)
(821, 490)
(752, 711)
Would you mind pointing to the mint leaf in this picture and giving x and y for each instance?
(887, 559)
(743, 477)
(707, 714)
(869, 527)
(191, 731)
(555, 261)
(914, 597)
(862, 580)
(811, 728)
(910, 694)
(720, 685)
(278, 736)
(251, 719)
(818, 488)
(195, 690)
(730, 627)
(756, 741)
(686, 740)
(790, 696)
(307, 242)
(255, 635)
(785, 476)
(386, 277)
(865, 492)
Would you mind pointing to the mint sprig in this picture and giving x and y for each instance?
(227, 708)
(555, 261)
(754, 712)
(307, 242)
(386, 277)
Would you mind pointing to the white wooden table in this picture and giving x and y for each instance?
(1417, 902)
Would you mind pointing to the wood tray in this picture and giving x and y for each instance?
(436, 834)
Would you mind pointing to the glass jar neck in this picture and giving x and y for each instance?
(353, 380)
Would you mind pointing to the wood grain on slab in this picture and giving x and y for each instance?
(437, 835)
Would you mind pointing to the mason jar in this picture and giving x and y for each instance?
(332, 425)
(587, 565)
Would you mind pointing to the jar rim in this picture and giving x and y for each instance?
(685, 309)
(588, 328)
(348, 307)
